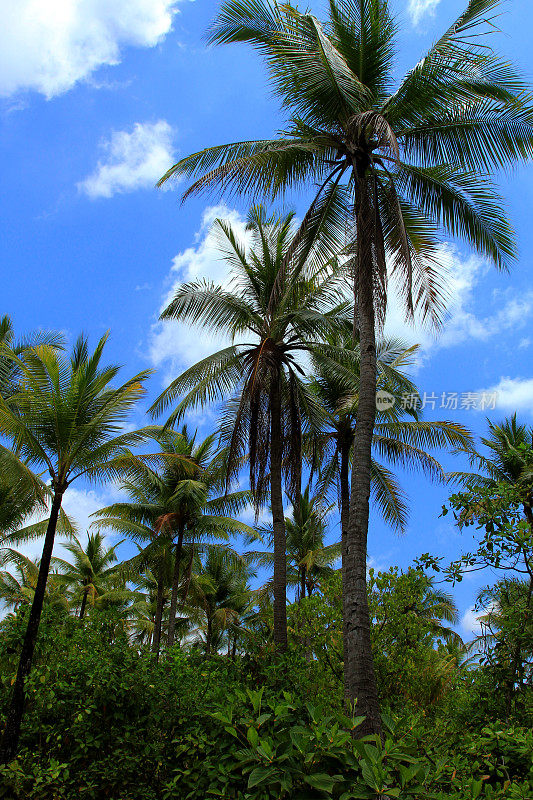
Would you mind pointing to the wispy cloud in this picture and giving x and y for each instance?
(420, 8)
(463, 323)
(133, 159)
(513, 394)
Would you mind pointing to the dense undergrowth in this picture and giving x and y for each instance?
(105, 721)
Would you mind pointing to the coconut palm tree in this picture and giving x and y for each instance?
(175, 501)
(308, 557)
(10, 372)
(400, 436)
(67, 418)
(23, 496)
(92, 575)
(280, 298)
(219, 596)
(412, 157)
(18, 589)
(506, 462)
(509, 458)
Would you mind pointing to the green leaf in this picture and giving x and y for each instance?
(252, 736)
(321, 781)
(260, 775)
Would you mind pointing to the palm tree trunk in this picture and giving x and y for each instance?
(175, 587)
(209, 635)
(359, 677)
(84, 602)
(278, 520)
(345, 498)
(10, 739)
(302, 584)
(188, 578)
(156, 640)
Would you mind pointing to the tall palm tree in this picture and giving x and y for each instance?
(412, 158)
(91, 575)
(175, 500)
(67, 418)
(280, 298)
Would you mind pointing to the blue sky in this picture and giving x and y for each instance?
(97, 99)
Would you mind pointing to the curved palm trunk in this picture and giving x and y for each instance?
(10, 740)
(359, 676)
(175, 587)
(84, 602)
(156, 640)
(278, 520)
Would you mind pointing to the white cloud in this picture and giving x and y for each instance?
(470, 622)
(178, 345)
(133, 160)
(461, 278)
(524, 343)
(513, 394)
(419, 8)
(50, 45)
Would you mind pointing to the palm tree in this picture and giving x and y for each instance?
(91, 575)
(174, 501)
(412, 158)
(308, 557)
(10, 372)
(508, 462)
(66, 418)
(17, 590)
(280, 297)
(220, 595)
(400, 436)
(435, 607)
(23, 496)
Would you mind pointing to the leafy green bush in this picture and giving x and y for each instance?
(104, 722)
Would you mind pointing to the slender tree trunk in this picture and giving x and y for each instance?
(10, 739)
(517, 654)
(84, 602)
(278, 520)
(209, 635)
(175, 587)
(302, 584)
(156, 639)
(345, 499)
(188, 578)
(359, 676)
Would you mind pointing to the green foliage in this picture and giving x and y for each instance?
(105, 721)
